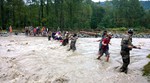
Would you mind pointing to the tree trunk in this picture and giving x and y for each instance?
(42, 15)
(2, 14)
(39, 19)
(61, 16)
(13, 12)
(47, 8)
(56, 13)
(71, 15)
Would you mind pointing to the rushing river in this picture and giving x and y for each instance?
(37, 60)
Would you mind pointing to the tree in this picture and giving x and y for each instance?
(108, 19)
(145, 21)
(72, 14)
(136, 13)
(97, 15)
(127, 13)
(121, 12)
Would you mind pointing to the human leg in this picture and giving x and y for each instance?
(107, 55)
(100, 54)
(126, 61)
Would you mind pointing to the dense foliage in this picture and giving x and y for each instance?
(73, 14)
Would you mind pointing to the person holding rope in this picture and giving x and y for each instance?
(73, 42)
(126, 47)
(105, 47)
(103, 36)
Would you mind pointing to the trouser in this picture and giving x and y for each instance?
(26, 33)
(72, 46)
(102, 51)
(126, 60)
(49, 37)
(65, 42)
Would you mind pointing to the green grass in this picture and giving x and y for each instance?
(148, 56)
(137, 30)
(118, 29)
(146, 70)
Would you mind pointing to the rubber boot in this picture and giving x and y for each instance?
(68, 49)
(122, 69)
(126, 71)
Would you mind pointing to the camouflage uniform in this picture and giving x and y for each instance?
(125, 52)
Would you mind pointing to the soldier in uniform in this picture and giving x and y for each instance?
(66, 39)
(126, 47)
(73, 42)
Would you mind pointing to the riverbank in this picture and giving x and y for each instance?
(81, 35)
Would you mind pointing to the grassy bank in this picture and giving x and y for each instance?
(146, 70)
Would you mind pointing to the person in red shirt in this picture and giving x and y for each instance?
(34, 31)
(10, 29)
(105, 47)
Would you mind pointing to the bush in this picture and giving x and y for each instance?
(146, 70)
(118, 29)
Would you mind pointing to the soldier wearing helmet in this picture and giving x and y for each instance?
(126, 47)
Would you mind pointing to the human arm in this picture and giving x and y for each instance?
(109, 43)
(98, 40)
(132, 46)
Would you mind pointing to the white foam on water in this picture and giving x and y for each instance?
(35, 59)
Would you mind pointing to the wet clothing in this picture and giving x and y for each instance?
(65, 42)
(103, 36)
(66, 39)
(125, 52)
(104, 49)
(106, 41)
(53, 35)
(7, 29)
(58, 36)
(10, 29)
(72, 44)
(34, 31)
(106, 52)
(49, 35)
(100, 44)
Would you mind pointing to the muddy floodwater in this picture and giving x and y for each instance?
(36, 60)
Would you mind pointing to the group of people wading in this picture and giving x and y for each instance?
(58, 35)
(126, 43)
(37, 31)
(64, 38)
(126, 47)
